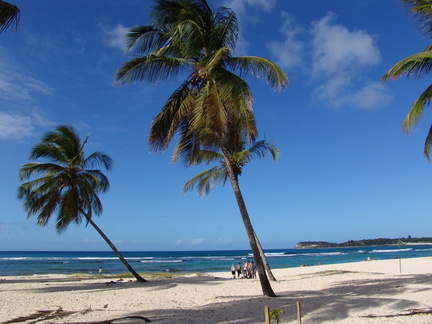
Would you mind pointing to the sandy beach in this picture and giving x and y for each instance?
(390, 291)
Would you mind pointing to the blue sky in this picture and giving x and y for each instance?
(346, 171)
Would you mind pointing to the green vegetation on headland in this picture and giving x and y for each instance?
(364, 242)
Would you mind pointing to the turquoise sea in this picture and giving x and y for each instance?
(31, 262)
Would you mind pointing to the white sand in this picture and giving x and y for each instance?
(342, 293)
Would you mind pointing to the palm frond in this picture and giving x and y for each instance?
(166, 123)
(422, 11)
(207, 65)
(416, 112)
(428, 144)
(185, 23)
(261, 67)
(261, 148)
(143, 40)
(226, 29)
(150, 68)
(98, 158)
(205, 180)
(412, 66)
(9, 15)
(36, 168)
(68, 211)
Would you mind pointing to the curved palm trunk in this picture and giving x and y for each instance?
(264, 258)
(265, 283)
(122, 259)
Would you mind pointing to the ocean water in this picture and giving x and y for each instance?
(30, 263)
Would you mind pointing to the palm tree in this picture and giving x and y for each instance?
(68, 184)
(205, 180)
(9, 15)
(187, 36)
(417, 65)
(231, 154)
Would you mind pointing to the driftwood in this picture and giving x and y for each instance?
(410, 312)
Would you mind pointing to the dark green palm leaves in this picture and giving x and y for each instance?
(66, 183)
(186, 36)
(207, 179)
(417, 65)
(9, 15)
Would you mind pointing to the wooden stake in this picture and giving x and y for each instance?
(299, 312)
(267, 314)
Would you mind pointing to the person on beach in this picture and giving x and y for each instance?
(253, 270)
(100, 271)
(249, 269)
(239, 270)
(233, 271)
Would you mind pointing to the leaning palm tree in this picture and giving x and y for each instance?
(187, 36)
(9, 15)
(417, 65)
(67, 184)
(206, 180)
(231, 153)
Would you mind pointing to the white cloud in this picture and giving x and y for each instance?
(115, 36)
(371, 96)
(337, 60)
(340, 58)
(18, 87)
(197, 241)
(16, 127)
(288, 53)
(240, 6)
(335, 48)
(337, 93)
(89, 241)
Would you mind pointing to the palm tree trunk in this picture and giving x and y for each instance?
(265, 283)
(122, 259)
(264, 258)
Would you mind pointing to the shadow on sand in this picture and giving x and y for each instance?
(327, 305)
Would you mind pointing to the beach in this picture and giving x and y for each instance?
(384, 291)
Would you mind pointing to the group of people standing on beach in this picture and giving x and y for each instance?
(248, 270)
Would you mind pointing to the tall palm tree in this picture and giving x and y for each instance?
(9, 15)
(417, 65)
(187, 36)
(67, 184)
(205, 180)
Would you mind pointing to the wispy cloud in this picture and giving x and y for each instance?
(241, 6)
(19, 118)
(339, 61)
(115, 36)
(197, 241)
(289, 52)
(18, 87)
(89, 241)
(15, 126)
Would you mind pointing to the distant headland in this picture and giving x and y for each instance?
(362, 243)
